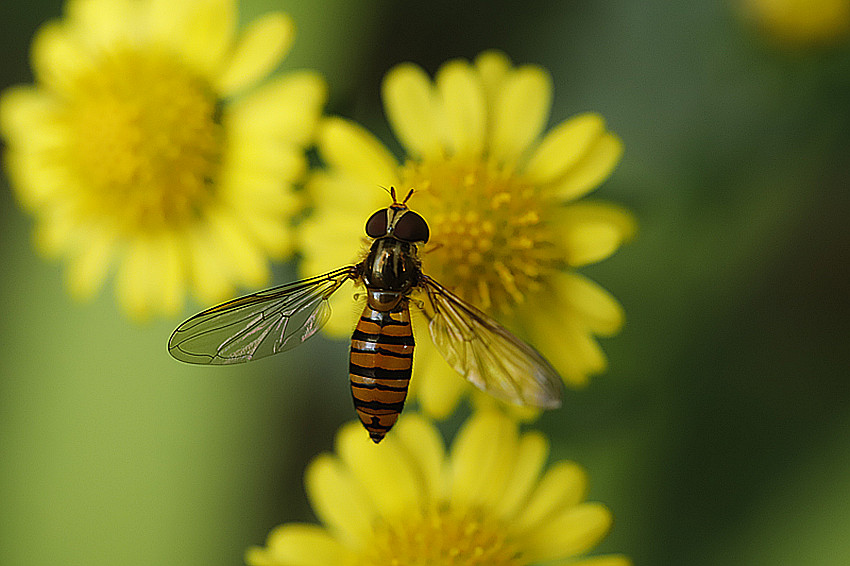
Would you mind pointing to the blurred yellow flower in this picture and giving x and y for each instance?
(801, 22)
(499, 197)
(405, 502)
(141, 147)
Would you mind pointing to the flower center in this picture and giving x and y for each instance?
(441, 538)
(146, 143)
(490, 242)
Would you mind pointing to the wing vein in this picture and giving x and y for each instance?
(486, 353)
(259, 324)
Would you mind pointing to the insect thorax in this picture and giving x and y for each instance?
(390, 271)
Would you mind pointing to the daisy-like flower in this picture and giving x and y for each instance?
(141, 148)
(405, 502)
(500, 198)
(801, 22)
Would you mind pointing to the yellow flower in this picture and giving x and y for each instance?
(141, 147)
(405, 502)
(801, 22)
(499, 196)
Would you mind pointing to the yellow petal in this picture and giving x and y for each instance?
(592, 231)
(167, 275)
(256, 556)
(463, 99)
(31, 122)
(55, 232)
(211, 278)
(384, 471)
(297, 544)
(562, 147)
(36, 178)
(435, 384)
(797, 24)
(333, 235)
(345, 312)
(531, 457)
(249, 265)
(519, 413)
(421, 440)
(286, 109)
(520, 113)
(482, 458)
(412, 110)
(499, 464)
(562, 486)
(337, 192)
(589, 354)
(593, 305)
(568, 533)
(260, 193)
(493, 68)
(338, 500)
(569, 347)
(133, 283)
(101, 25)
(200, 32)
(57, 59)
(88, 268)
(607, 560)
(260, 49)
(25, 111)
(264, 157)
(346, 146)
(271, 233)
(326, 245)
(593, 168)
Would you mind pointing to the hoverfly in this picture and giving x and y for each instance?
(381, 355)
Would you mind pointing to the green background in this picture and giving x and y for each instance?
(721, 432)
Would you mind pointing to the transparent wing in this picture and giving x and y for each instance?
(486, 353)
(258, 325)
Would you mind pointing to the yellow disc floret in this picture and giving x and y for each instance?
(490, 241)
(443, 537)
(147, 144)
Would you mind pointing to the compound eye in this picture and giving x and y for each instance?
(376, 226)
(411, 228)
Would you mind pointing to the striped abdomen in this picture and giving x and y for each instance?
(381, 363)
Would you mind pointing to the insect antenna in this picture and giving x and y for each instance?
(386, 190)
(433, 247)
(409, 194)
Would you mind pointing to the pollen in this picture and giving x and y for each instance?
(146, 142)
(490, 242)
(442, 538)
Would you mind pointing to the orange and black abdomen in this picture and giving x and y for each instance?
(380, 368)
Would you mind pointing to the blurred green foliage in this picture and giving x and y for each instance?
(719, 433)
